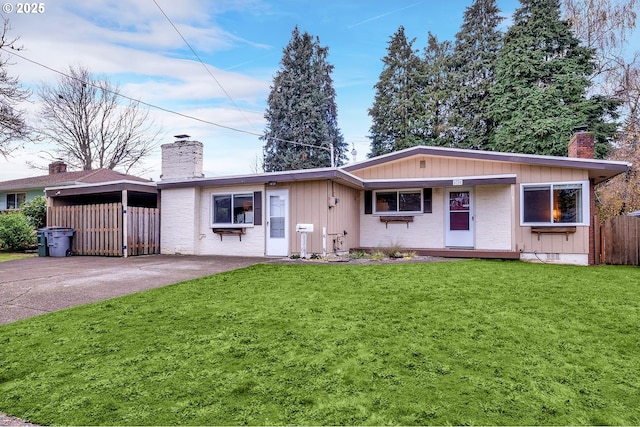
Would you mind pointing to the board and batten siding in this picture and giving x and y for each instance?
(530, 243)
(309, 204)
(522, 238)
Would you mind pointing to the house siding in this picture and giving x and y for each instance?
(180, 209)
(493, 217)
(252, 242)
(493, 223)
(491, 226)
(426, 231)
(549, 247)
(30, 195)
(309, 204)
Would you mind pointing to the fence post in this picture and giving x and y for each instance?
(125, 223)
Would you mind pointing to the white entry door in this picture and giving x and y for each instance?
(277, 222)
(459, 218)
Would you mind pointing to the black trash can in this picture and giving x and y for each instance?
(43, 249)
(59, 241)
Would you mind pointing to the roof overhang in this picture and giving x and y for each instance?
(273, 178)
(32, 186)
(599, 170)
(381, 184)
(101, 188)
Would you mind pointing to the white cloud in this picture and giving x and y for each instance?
(135, 46)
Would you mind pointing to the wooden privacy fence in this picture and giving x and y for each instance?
(99, 229)
(620, 240)
(143, 231)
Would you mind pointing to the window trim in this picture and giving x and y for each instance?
(232, 224)
(419, 191)
(585, 198)
(15, 196)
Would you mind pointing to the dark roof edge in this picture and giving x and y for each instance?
(289, 176)
(75, 190)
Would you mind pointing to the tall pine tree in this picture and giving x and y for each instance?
(434, 120)
(473, 73)
(398, 105)
(542, 77)
(302, 117)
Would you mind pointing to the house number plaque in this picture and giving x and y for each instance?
(457, 182)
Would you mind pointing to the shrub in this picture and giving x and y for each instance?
(36, 212)
(359, 255)
(15, 232)
(378, 255)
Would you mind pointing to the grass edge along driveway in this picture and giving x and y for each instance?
(472, 342)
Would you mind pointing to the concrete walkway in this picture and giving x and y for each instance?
(34, 286)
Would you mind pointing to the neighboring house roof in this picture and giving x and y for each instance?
(599, 170)
(634, 213)
(68, 178)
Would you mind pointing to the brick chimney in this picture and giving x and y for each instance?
(182, 159)
(582, 143)
(57, 167)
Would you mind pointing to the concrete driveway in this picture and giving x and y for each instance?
(33, 286)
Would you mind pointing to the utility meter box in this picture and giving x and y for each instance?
(304, 228)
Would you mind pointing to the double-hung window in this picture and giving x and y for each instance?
(15, 200)
(232, 210)
(564, 203)
(400, 201)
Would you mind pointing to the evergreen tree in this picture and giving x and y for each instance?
(397, 106)
(434, 120)
(473, 73)
(301, 112)
(542, 77)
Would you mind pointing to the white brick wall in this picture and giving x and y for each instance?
(493, 212)
(208, 243)
(426, 230)
(177, 229)
(493, 226)
(182, 159)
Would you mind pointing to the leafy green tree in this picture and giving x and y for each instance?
(542, 78)
(398, 107)
(15, 232)
(435, 91)
(302, 117)
(472, 74)
(36, 211)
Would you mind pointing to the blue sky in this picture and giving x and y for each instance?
(240, 41)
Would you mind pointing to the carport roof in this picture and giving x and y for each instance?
(68, 178)
(101, 188)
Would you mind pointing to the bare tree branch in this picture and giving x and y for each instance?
(13, 126)
(82, 115)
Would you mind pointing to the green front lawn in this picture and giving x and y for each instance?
(471, 342)
(10, 256)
